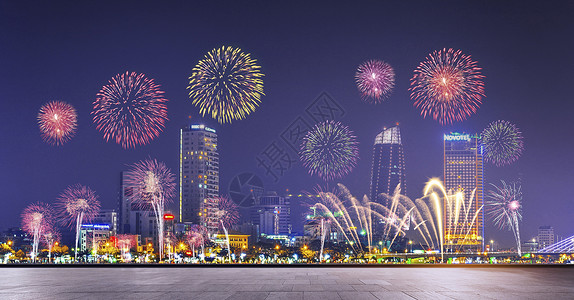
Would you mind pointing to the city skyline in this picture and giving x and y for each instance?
(56, 61)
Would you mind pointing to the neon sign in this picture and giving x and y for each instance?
(457, 137)
(202, 127)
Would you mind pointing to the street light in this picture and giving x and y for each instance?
(411, 245)
(491, 245)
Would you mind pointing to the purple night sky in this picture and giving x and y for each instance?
(67, 50)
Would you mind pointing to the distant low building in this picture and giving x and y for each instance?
(545, 236)
(92, 235)
(237, 239)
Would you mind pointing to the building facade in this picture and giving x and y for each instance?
(545, 236)
(208, 217)
(198, 170)
(388, 168)
(272, 214)
(463, 181)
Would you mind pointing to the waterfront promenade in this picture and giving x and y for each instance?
(353, 283)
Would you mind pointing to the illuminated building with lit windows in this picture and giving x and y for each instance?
(388, 169)
(208, 217)
(237, 240)
(198, 171)
(272, 213)
(545, 236)
(463, 175)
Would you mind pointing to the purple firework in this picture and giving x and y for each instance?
(375, 80)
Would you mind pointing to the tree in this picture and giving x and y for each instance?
(20, 255)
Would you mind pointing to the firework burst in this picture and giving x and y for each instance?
(58, 122)
(375, 80)
(77, 204)
(37, 219)
(447, 86)
(227, 211)
(502, 142)
(131, 110)
(154, 186)
(226, 84)
(329, 150)
(504, 206)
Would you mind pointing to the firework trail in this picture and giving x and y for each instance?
(154, 186)
(228, 214)
(58, 122)
(51, 236)
(504, 206)
(77, 204)
(502, 142)
(447, 86)
(375, 80)
(226, 84)
(130, 109)
(329, 150)
(37, 219)
(196, 238)
(125, 243)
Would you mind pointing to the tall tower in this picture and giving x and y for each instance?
(198, 170)
(388, 168)
(463, 180)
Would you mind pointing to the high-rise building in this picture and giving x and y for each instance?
(463, 178)
(545, 236)
(198, 170)
(208, 217)
(125, 206)
(272, 213)
(388, 169)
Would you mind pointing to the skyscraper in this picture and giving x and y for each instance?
(388, 169)
(463, 178)
(272, 213)
(198, 170)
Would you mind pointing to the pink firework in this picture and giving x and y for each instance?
(58, 122)
(227, 211)
(375, 80)
(196, 236)
(131, 110)
(78, 201)
(77, 204)
(447, 86)
(153, 183)
(154, 186)
(37, 219)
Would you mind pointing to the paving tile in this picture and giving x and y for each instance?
(357, 296)
(401, 288)
(427, 295)
(285, 296)
(210, 296)
(245, 288)
(277, 287)
(321, 296)
(297, 281)
(338, 287)
(308, 288)
(249, 296)
(375, 281)
(392, 295)
(464, 295)
(368, 288)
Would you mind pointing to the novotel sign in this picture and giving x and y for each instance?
(457, 137)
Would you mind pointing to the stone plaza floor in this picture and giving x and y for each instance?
(323, 283)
